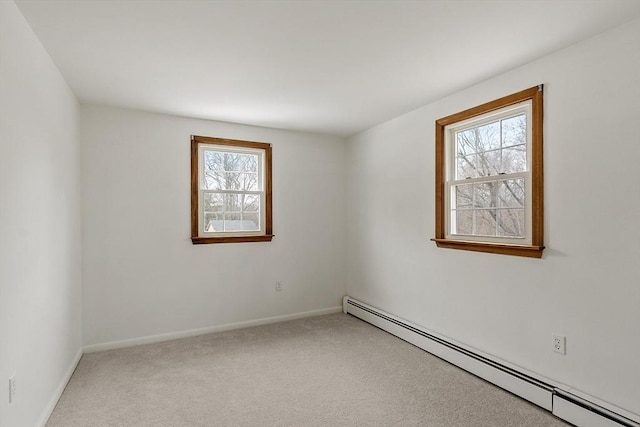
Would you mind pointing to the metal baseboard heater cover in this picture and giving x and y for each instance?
(543, 393)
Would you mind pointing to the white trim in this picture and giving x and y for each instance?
(92, 348)
(48, 410)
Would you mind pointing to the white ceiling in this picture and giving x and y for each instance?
(334, 67)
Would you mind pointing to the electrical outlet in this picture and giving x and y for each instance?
(278, 286)
(12, 388)
(560, 344)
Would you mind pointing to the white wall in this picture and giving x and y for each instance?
(142, 275)
(40, 332)
(586, 287)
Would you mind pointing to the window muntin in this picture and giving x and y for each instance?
(489, 177)
(231, 190)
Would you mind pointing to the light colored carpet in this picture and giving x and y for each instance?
(332, 370)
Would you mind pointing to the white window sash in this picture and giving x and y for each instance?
(201, 191)
(451, 183)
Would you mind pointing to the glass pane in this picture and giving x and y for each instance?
(465, 142)
(213, 222)
(232, 221)
(233, 202)
(464, 196)
(511, 222)
(511, 193)
(485, 194)
(466, 166)
(251, 203)
(240, 162)
(232, 181)
(213, 170)
(514, 159)
(213, 202)
(249, 181)
(251, 221)
(485, 222)
(488, 136)
(489, 163)
(514, 130)
(463, 221)
(241, 181)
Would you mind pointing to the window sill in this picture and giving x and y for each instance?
(494, 248)
(231, 239)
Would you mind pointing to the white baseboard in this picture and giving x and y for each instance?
(208, 330)
(580, 413)
(58, 392)
(589, 400)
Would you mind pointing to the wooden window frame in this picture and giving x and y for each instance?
(196, 239)
(535, 249)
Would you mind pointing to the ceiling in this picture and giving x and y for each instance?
(333, 67)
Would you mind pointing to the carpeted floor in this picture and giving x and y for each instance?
(332, 370)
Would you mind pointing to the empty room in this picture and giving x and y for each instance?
(320, 213)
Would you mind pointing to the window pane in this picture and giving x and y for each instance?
(489, 163)
(514, 159)
(488, 136)
(514, 130)
(240, 162)
(511, 222)
(251, 221)
(216, 202)
(464, 196)
(466, 166)
(232, 202)
(465, 142)
(511, 193)
(251, 203)
(463, 221)
(485, 194)
(482, 138)
(240, 181)
(213, 222)
(249, 181)
(485, 222)
(232, 221)
(231, 181)
(213, 202)
(213, 170)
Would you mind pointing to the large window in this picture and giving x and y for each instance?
(230, 191)
(489, 177)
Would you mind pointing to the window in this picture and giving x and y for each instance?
(230, 191)
(489, 177)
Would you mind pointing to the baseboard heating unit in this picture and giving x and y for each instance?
(540, 391)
